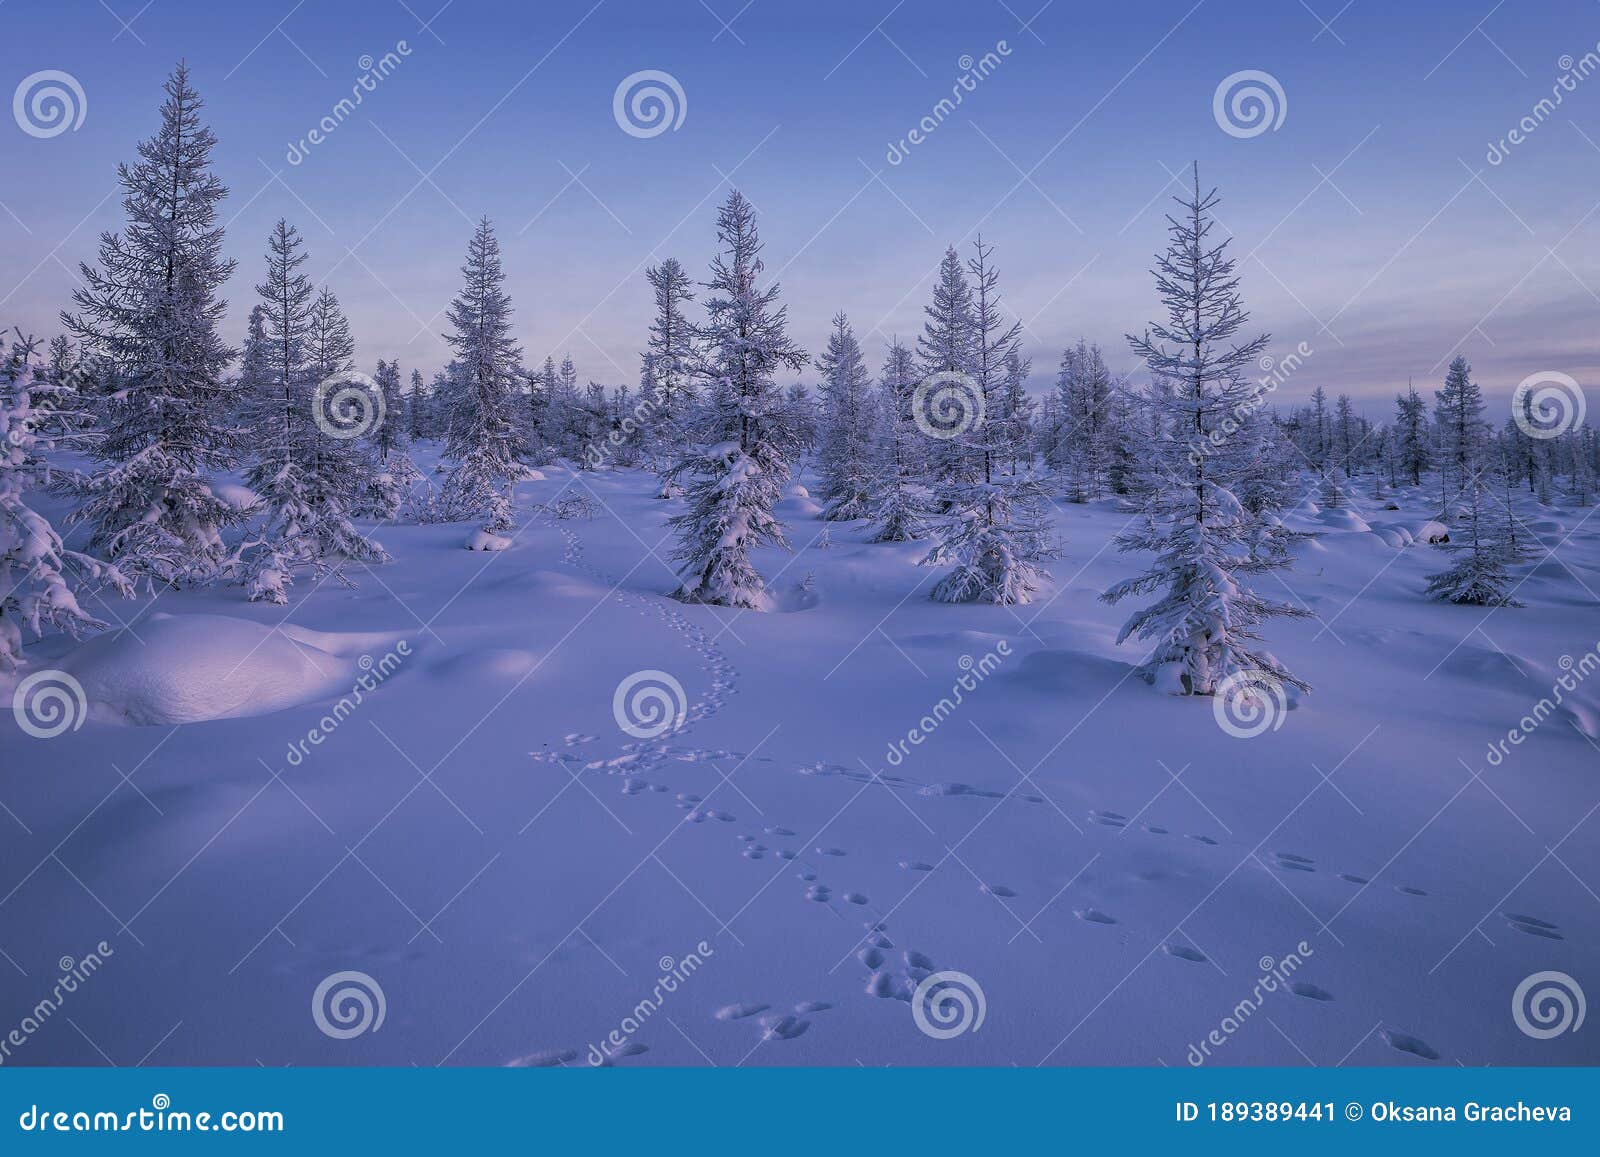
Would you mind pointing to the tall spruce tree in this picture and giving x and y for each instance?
(147, 318)
(736, 478)
(1203, 625)
(844, 458)
(993, 538)
(481, 429)
(900, 500)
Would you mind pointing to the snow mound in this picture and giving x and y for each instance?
(1394, 534)
(1342, 519)
(798, 509)
(798, 491)
(191, 668)
(1431, 531)
(483, 540)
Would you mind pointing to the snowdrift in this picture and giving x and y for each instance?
(198, 667)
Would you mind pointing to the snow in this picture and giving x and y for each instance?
(483, 540)
(480, 836)
(195, 667)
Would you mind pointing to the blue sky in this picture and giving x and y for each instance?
(1370, 225)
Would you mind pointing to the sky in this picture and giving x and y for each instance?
(1382, 217)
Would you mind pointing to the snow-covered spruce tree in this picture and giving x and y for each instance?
(349, 408)
(1082, 445)
(1413, 448)
(668, 359)
(993, 536)
(481, 427)
(945, 347)
(394, 475)
(301, 474)
(844, 453)
(1016, 411)
(147, 318)
(800, 417)
(1269, 485)
(733, 483)
(900, 501)
(1346, 435)
(417, 408)
(1458, 412)
(1484, 541)
(1580, 472)
(1204, 622)
(37, 572)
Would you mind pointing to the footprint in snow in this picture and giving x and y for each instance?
(1184, 952)
(1353, 879)
(1533, 926)
(1408, 890)
(1406, 1043)
(1310, 991)
(1094, 916)
(1109, 819)
(916, 865)
(739, 1011)
(999, 890)
(547, 1059)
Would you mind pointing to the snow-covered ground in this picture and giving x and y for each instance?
(1112, 868)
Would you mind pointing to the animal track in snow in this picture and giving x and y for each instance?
(1533, 926)
(1406, 1043)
